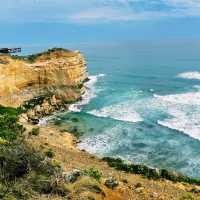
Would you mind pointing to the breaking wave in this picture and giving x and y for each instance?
(184, 112)
(121, 112)
(190, 75)
(90, 93)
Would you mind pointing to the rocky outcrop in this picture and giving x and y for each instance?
(58, 74)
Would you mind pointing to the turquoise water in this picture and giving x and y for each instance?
(142, 104)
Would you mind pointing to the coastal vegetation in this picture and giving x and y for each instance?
(151, 173)
(24, 172)
(95, 173)
(33, 57)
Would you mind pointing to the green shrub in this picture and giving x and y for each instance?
(32, 58)
(94, 173)
(33, 102)
(3, 190)
(35, 131)
(49, 153)
(9, 128)
(24, 172)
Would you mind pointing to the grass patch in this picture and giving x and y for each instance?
(94, 173)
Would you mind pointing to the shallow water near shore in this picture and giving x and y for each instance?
(142, 104)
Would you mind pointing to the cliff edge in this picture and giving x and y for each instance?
(56, 72)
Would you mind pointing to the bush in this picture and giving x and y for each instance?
(94, 173)
(35, 131)
(9, 128)
(33, 102)
(17, 159)
(49, 153)
(24, 172)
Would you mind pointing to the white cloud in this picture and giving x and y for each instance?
(127, 10)
(183, 3)
(96, 10)
(110, 14)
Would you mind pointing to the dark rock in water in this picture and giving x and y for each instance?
(75, 131)
(74, 119)
(140, 145)
(71, 177)
(91, 129)
(111, 182)
(87, 79)
(140, 129)
(149, 126)
(124, 132)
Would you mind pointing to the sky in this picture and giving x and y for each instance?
(45, 21)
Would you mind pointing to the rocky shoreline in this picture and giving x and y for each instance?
(47, 106)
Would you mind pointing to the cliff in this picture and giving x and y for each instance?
(57, 72)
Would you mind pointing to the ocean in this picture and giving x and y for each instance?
(142, 103)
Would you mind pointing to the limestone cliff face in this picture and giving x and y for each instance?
(56, 72)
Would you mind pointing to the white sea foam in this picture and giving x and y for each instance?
(190, 75)
(91, 92)
(186, 123)
(122, 112)
(96, 144)
(190, 98)
(44, 121)
(184, 110)
(111, 138)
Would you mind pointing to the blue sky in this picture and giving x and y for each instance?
(83, 20)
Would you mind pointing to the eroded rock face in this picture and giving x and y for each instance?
(57, 73)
